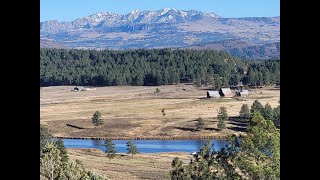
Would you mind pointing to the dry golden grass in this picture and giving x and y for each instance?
(142, 166)
(135, 111)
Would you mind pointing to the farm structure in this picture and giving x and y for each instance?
(226, 92)
(79, 88)
(213, 94)
(242, 93)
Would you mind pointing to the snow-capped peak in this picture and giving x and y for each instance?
(164, 11)
(211, 15)
(97, 17)
(134, 11)
(183, 13)
(133, 14)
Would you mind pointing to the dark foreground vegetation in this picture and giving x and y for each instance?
(55, 164)
(255, 156)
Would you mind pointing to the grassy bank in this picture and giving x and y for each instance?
(153, 166)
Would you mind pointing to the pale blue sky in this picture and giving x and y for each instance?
(68, 10)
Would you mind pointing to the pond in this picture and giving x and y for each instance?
(147, 146)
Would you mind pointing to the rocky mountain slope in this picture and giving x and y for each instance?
(166, 28)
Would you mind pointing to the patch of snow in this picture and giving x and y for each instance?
(211, 15)
(164, 11)
(183, 13)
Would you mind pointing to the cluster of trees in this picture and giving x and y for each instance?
(152, 67)
(245, 115)
(256, 156)
(111, 148)
(55, 164)
(222, 117)
(266, 111)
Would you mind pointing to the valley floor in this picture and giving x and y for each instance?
(132, 112)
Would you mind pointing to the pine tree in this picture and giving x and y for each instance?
(276, 116)
(267, 112)
(178, 170)
(110, 149)
(257, 107)
(132, 148)
(259, 156)
(200, 124)
(222, 117)
(96, 119)
(244, 112)
(50, 161)
(44, 137)
(63, 152)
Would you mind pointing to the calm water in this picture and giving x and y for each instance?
(147, 146)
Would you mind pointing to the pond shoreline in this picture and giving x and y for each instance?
(151, 138)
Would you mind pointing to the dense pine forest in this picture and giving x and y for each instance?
(152, 67)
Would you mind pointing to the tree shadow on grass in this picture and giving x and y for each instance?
(242, 124)
(241, 129)
(211, 129)
(186, 129)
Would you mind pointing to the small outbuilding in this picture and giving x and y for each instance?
(243, 93)
(213, 94)
(79, 88)
(225, 92)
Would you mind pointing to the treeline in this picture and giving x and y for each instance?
(152, 67)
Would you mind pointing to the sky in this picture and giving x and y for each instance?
(68, 10)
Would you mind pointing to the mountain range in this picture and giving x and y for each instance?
(250, 37)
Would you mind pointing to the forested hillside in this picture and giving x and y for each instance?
(152, 67)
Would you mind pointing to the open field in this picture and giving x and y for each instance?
(135, 111)
(142, 166)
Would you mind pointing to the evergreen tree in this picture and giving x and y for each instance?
(63, 152)
(44, 137)
(257, 107)
(110, 149)
(259, 154)
(222, 118)
(244, 112)
(200, 125)
(276, 116)
(52, 167)
(234, 79)
(50, 161)
(252, 76)
(132, 148)
(217, 82)
(96, 119)
(267, 112)
(178, 171)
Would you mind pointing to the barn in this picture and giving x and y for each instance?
(79, 88)
(213, 94)
(225, 92)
